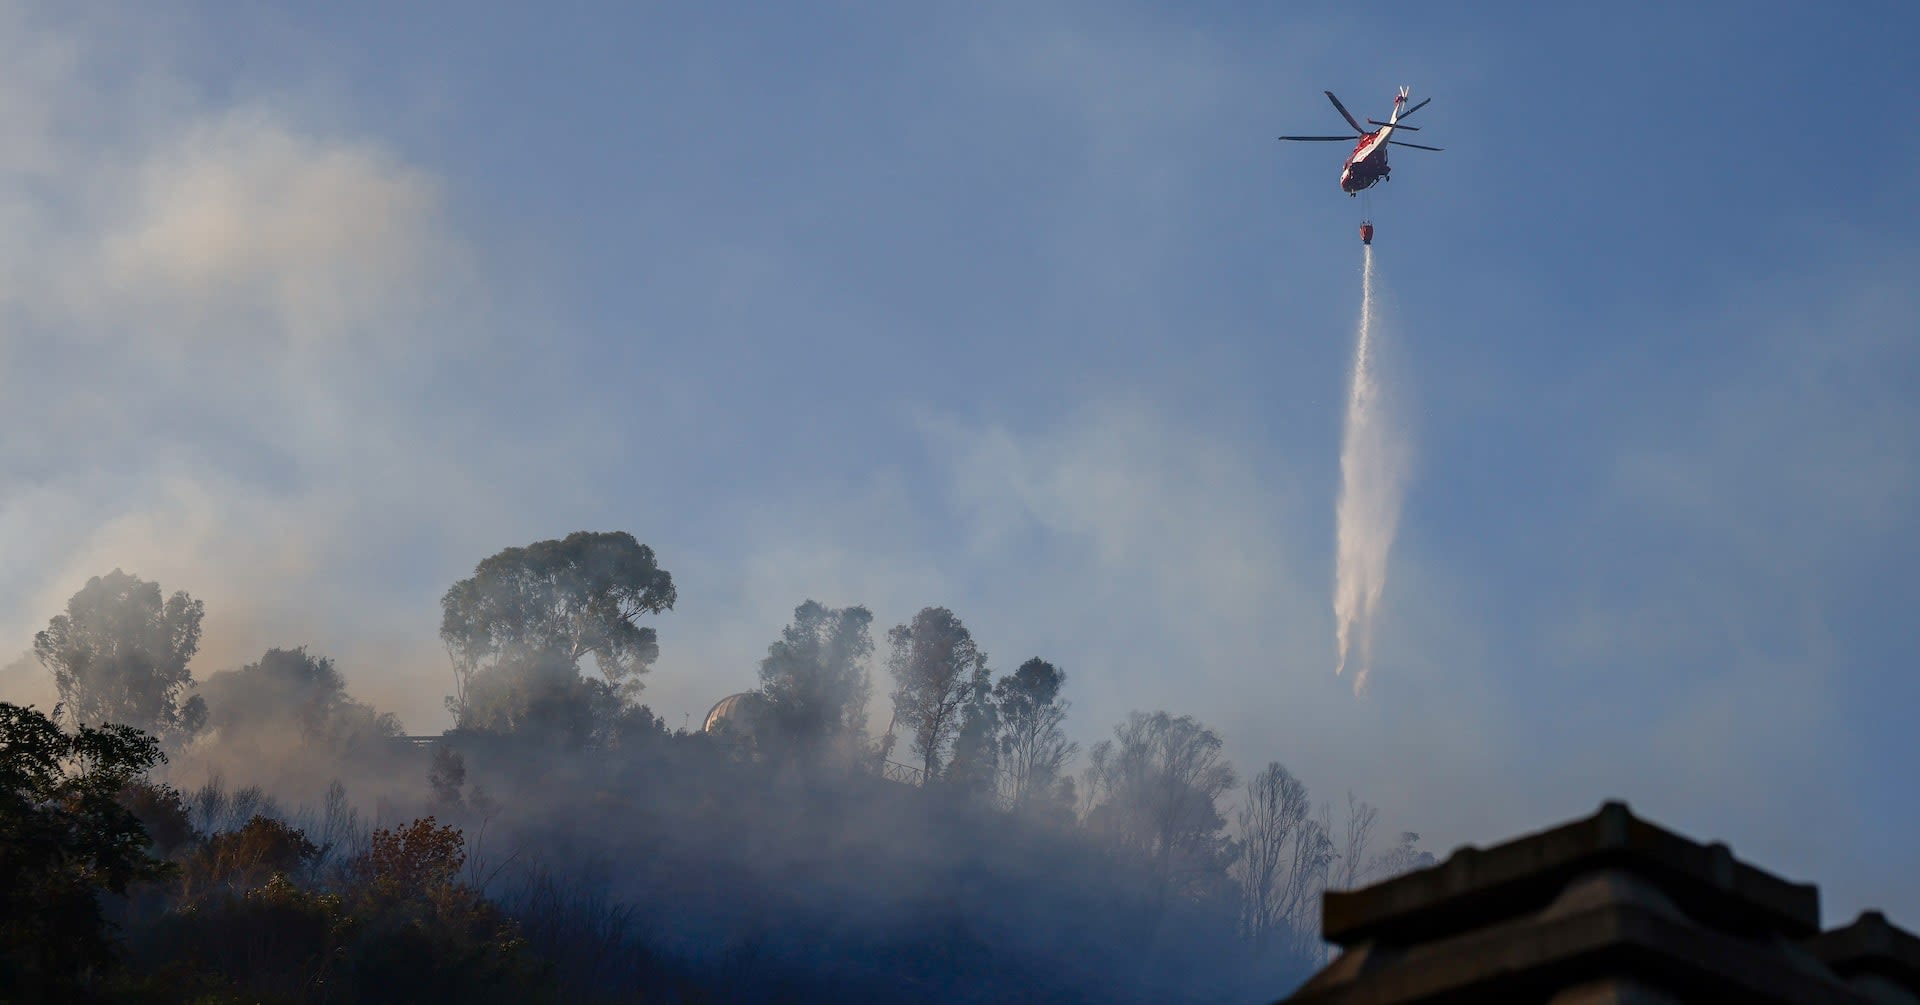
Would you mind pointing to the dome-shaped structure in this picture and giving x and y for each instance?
(738, 713)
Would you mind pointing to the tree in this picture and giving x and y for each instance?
(1352, 866)
(540, 694)
(1034, 751)
(420, 859)
(276, 941)
(1274, 822)
(241, 860)
(934, 664)
(551, 604)
(162, 813)
(426, 936)
(119, 655)
(815, 678)
(1309, 858)
(1155, 789)
(1404, 857)
(292, 690)
(65, 836)
(446, 777)
(976, 747)
(395, 925)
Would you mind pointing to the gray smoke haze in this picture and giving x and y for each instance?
(261, 357)
(301, 352)
(231, 329)
(801, 878)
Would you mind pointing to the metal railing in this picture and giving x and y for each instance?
(905, 774)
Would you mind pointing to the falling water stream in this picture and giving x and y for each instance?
(1373, 464)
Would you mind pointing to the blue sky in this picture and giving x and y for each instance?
(1020, 309)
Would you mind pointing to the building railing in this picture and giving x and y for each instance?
(905, 774)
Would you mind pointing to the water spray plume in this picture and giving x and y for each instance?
(1372, 478)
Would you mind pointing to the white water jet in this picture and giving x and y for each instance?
(1373, 465)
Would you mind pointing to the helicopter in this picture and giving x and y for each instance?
(1367, 165)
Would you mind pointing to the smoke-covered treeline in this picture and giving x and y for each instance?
(560, 843)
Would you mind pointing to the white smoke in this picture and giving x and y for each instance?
(1373, 468)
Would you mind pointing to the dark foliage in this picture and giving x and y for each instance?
(563, 845)
(65, 840)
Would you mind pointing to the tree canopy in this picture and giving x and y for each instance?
(553, 603)
(1155, 789)
(257, 897)
(935, 664)
(120, 653)
(293, 690)
(1034, 749)
(976, 746)
(1284, 857)
(64, 838)
(815, 677)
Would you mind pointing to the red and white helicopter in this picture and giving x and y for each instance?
(1367, 165)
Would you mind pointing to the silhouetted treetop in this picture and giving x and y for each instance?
(1155, 790)
(559, 600)
(120, 655)
(1034, 749)
(935, 666)
(815, 678)
(292, 689)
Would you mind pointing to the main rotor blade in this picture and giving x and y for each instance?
(1416, 146)
(1344, 113)
(1396, 125)
(1414, 109)
(1321, 139)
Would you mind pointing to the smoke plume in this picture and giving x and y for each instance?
(1373, 464)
